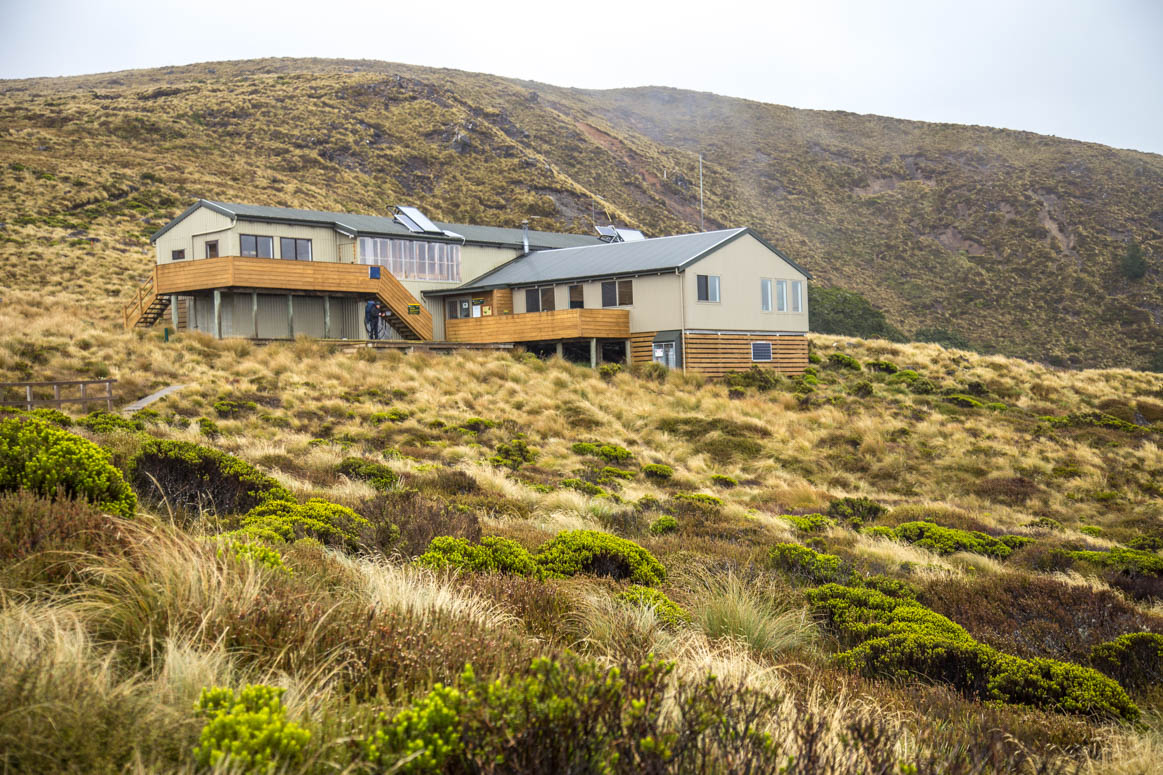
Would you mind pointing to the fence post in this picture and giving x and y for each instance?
(56, 394)
(28, 398)
(84, 395)
(109, 395)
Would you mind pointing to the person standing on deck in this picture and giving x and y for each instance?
(371, 319)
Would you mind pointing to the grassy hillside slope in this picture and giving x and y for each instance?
(1011, 240)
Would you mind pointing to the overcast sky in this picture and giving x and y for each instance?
(1084, 70)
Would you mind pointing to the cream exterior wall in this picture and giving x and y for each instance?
(191, 235)
(656, 304)
(740, 266)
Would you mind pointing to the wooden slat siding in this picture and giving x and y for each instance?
(503, 301)
(541, 326)
(642, 347)
(278, 274)
(717, 354)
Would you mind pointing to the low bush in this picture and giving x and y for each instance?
(108, 422)
(862, 389)
(582, 486)
(965, 402)
(601, 554)
(915, 382)
(285, 520)
(1131, 562)
(722, 447)
(1135, 660)
(477, 425)
(668, 612)
(513, 454)
(608, 371)
(695, 427)
(879, 531)
(1044, 523)
(806, 563)
(610, 473)
(611, 453)
(663, 525)
(209, 428)
(809, 523)
(1093, 420)
(492, 555)
(722, 480)
(53, 416)
(377, 475)
(755, 377)
(884, 367)
(52, 462)
(406, 521)
(695, 501)
(657, 471)
(855, 511)
(226, 408)
(248, 731)
(843, 361)
(947, 540)
(392, 415)
(254, 552)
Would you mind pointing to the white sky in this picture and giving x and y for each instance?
(1085, 70)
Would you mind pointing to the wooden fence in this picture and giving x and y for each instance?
(30, 400)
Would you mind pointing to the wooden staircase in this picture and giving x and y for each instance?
(147, 305)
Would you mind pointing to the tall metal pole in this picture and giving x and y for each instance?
(701, 193)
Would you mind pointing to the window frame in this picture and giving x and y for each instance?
(609, 287)
(766, 294)
(580, 302)
(548, 294)
(704, 284)
(797, 296)
(781, 295)
(625, 290)
(533, 295)
(214, 243)
(770, 352)
(297, 245)
(178, 255)
(258, 240)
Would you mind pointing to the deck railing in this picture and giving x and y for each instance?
(541, 326)
(29, 401)
(141, 301)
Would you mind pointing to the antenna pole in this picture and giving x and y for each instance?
(701, 228)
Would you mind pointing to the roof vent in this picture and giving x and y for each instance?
(416, 221)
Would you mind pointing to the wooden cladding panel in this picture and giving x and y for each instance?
(541, 326)
(503, 301)
(719, 354)
(642, 347)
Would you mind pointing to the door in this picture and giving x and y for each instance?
(664, 354)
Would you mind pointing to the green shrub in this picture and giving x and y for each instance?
(814, 358)
(108, 422)
(964, 401)
(657, 471)
(492, 555)
(862, 389)
(1129, 561)
(1146, 543)
(50, 461)
(513, 454)
(760, 379)
(1093, 420)
(257, 553)
(602, 554)
(663, 525)
(880, 531)
(855, 511)
(884, 367)
(947, 540)
(1132, 264)
(608, 371)
(611, 473)
(886, 585)
(582, 486)
(669, 612)
(726, 448)
(915, 382)
(1090, 530)
(284, 520)
(809, 523)
(1060, 687)
(611, 453)
(209, 428)
(191, 476)
(843, 361)
(699, 500)
(392, 415)
(477, 424)
(722, 480)
(806, 563)
(847, 313)
(225, 407)
(377, 474)
(1044, 523)
(422, 738)
(53, 416)
(1135, 660)
(247, 731)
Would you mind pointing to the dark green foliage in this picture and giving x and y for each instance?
(884, 367)
(694, 427)
(663, 525)
(1135, 660)
(209, 428)
(943, 337)
(601, 554)
(249, 730)
(377, 474)
(806, 563)
(697, 501)
(809, 523)
(657, 471)
(847, 313)
(52, 462)
(887, 585)
(722, 480)
(1128, 561)
(947, 540)
(726, 448)
(608, 371)
(492, 555)
(915, 382)
(513, 454)
(1132, 264)
(669, 612)
(1093, 420)
(392, 415)
(225, 407)
(898, 638)
(108, 422)
(582, 486)
(193, 477)
(755, 377)
(610, 473)
(843, 361)
(1146, 543)
(54, 416)
(855, 511)
(965, 402)
(862, 389)
(882, 531)
(477, 424)
(611, 453)
(284, 520)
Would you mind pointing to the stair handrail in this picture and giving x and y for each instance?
(137, 304)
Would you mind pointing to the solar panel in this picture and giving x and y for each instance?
(630, 235)
(412, 225)
(607, 231)
(417, 219)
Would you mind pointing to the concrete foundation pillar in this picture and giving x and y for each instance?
(628, 352)
(291, 315)
(595, 354)
(217, 322)
(254, 313)
(326, 317)
(174, 312)
(561, 349)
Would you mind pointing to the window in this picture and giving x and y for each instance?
(708, 287)
(765, 294)
(532, 300)
(761, 351)
(577, 298)
(177, 255)
(547, 299)
(797, 289)
(212, 249)
(295, 249)
(781, 295)
(255, 246)
(459, 308)
(413, 259)
(617, 293)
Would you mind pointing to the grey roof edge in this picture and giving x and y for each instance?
(188, 211)
(468, 288)
(745, 230)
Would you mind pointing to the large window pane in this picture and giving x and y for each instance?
(625, 293)
(765, 295)
(781, 295)
(577, 299)
(713, 287)
(532, 300)
(609, 294)
(701, 283)
(248, 245)
(547, 302)
(266, 247)
(796, 291)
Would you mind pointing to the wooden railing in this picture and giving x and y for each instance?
(144, 297)
(29, 401)
(541, 326)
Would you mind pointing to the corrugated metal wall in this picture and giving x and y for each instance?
(273, 321)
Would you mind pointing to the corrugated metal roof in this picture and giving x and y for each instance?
(378, 225)
(605, 260)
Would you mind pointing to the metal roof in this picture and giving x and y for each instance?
(354, 225)
(609, 259)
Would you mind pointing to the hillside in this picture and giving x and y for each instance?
(1011, 241)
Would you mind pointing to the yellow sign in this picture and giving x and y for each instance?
(413, 309)
(486, 310)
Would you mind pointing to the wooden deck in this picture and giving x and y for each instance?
(274, 274)
(541, 326)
